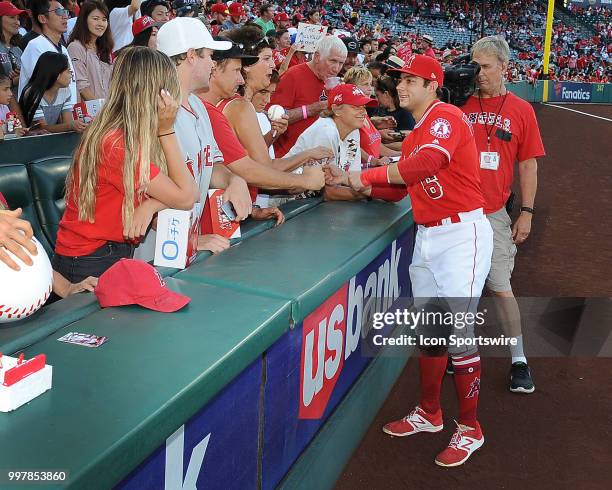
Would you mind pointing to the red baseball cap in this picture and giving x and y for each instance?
(134, 282)
(422, 66)
(7, 8)
(281, 17)
(143, 23)
(298, 17)
(219, 8)
(236, 9)
(346, 93)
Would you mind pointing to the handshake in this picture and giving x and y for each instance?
(335, 176)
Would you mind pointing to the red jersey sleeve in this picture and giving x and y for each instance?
(285, 92)
(389, 192)
(224, 135)
(443, 131)
(531, 146)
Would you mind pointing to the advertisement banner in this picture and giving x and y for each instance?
(312, 367)
(579, 93)
(215, 449)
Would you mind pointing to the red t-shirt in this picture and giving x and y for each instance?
(230, 146)
(76, 238)
(226, 139)
(298, 86)
(516, 121)
(370, 139)
(456, 187)
(225, 136)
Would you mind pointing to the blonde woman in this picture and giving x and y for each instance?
(127, 167)
(373, 152)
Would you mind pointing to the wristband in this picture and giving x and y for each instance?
(165, 134)
(304, 112)
(376, 175)
(526, 209)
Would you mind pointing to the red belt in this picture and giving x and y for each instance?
(454, 219)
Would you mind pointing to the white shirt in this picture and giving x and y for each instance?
(120, 23)
(265, 126)
(323, 132)
(71, 24)
(30, 56)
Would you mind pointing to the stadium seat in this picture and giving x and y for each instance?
(15, 186)
(47, 177)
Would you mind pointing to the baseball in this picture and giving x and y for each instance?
(276, 112)
(23, 292)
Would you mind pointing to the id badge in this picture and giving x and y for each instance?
(489, 160)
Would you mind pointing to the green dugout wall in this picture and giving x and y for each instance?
(254, 381)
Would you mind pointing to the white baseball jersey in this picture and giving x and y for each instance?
(195, 136)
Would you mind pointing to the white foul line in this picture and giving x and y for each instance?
(579, 112)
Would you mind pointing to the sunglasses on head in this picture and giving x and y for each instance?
(263, 40)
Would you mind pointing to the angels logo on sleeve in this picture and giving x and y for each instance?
(441, 128)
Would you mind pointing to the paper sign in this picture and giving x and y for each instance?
(215, 220)
(86, 111)
(308, 36)
(176, 240)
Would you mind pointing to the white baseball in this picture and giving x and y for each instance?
(24, 291)
(276, 112)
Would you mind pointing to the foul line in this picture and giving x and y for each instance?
(579, 112)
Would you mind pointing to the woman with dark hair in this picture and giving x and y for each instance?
(389, 105)
(90, 47)
(41, 100)
(241, 113)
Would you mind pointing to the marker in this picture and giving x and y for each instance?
(20, 359)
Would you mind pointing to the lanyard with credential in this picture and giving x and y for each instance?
(486, 118)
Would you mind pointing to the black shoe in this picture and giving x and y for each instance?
(520, 378)
(449, 366)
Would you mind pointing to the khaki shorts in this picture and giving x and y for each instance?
(504, 251)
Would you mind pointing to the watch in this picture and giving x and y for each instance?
(526, 209)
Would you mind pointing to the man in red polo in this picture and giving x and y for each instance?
(453, 246)
(506, 132)
(301, 90)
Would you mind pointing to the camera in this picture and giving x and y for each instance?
(460, 80)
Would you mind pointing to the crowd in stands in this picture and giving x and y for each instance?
(91, 36)
(55, 54)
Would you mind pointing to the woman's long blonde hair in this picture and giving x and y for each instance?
(139, 74)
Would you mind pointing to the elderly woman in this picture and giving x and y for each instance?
(373, 152)
(338, 128)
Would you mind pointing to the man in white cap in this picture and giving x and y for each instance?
(189, 44)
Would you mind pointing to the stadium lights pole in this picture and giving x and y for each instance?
(545, 62)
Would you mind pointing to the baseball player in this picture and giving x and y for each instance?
(506, 131)
(454, 242)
